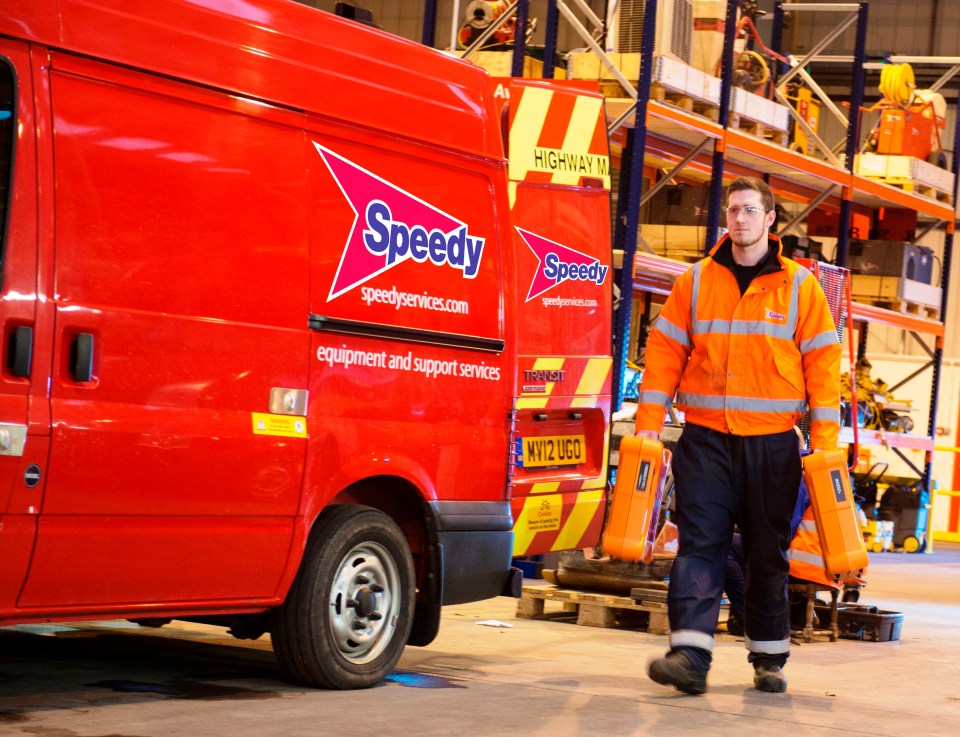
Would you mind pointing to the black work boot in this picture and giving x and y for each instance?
(734, 625)
(769, 677)
(676, 669)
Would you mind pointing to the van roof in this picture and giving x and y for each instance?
(282, 52)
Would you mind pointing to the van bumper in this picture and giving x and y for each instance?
(476, 549)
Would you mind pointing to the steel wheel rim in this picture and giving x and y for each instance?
(364, 602)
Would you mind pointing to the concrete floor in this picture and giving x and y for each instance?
(112, 679)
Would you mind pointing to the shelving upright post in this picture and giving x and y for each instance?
(628, 205)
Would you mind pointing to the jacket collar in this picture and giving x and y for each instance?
(722, 253)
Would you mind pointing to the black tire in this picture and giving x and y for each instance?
(348, 614)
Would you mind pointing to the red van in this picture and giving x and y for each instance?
(284, 334)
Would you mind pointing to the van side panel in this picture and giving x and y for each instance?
(293, 55)
(409, 349)
(181, 251)
(441, 405)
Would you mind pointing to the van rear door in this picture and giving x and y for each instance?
(560, 180)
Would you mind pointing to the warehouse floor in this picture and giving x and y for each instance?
(536, 677)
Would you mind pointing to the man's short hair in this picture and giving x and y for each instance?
(757, 185)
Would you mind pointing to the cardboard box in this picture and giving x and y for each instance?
(823, 223)
(500, 64)
(781, 117)
(587, 65)
(676, 241)
(881, 166)
(708, 26)
(739, 104)
(711, 90)
(678, 205)
(669, 72)
(894, 289)
(756, 108)
(894, 224)
(695, 83)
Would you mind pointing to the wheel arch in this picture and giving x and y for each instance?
(400, 499)
(404, 502)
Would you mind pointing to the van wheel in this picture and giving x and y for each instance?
(348, 614)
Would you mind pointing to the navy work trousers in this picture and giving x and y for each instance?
(721, 480)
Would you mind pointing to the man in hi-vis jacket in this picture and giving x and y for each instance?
(746, 343)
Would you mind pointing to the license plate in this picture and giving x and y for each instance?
(551, 450)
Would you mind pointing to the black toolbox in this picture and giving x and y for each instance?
(864, 622)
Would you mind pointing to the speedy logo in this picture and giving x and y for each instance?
(778, 316)
(559, 263)
(396, 227)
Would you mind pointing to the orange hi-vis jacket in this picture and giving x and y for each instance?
(749, 365)
(806, 553)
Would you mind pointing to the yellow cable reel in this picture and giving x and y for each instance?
(897, 83)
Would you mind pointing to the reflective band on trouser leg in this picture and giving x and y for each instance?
(692, 638)
(766, 647)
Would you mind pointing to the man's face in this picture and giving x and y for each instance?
(746, 227)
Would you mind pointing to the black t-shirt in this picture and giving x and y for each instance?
(746, 274)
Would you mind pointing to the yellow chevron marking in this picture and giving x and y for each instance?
(583, 121)
(532, 402)
(526, 128)
(512, 194)
(583, 402)
(600, 482)
(549, 364)
(539, 514)
(545, 487)
(522, 536)
(580, 516)
(594, 375)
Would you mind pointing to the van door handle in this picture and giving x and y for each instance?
(81, 357)
(20, 355)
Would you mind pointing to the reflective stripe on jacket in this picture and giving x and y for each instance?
(806, 553)
(748, 365)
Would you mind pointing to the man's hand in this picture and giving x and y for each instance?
(647, 434)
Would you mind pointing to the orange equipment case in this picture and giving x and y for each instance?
(631, 529)
(844, 554)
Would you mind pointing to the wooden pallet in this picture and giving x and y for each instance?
(915, 187)
(760, 130)
(594, 610)
(686, 102)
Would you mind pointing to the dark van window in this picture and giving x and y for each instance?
(6, 148)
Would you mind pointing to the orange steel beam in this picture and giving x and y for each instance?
(874, 314)
(783, 159)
